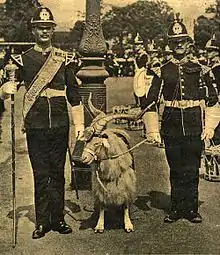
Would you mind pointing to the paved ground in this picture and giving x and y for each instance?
(151, 235)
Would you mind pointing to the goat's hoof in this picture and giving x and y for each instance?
(97, 230)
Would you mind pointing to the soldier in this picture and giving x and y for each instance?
(153, 56)
(2, 105)
(186, 87)
(213, 56)
(49, 78)
(167, 54)
(202, 57)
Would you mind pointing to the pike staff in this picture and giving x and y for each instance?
(10, 69)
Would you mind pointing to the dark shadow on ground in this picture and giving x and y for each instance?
(113, 219)
(73, 207)
(29, 211)
(155, 199)
(23, 211)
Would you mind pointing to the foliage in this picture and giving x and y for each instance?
(15, 19)
(76, 33)
(207, 25)
(149, 18)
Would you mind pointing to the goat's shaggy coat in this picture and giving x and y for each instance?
(117, 174)
(114, 182)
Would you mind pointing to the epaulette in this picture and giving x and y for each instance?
(156, 70)
(69, 58)
(18, 59)
(173, 60)
(216, 64)
(60, 54)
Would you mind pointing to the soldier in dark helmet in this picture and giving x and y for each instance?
(49, 78)
(186, 88)
(213, 57)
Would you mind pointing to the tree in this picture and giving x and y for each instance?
(16, 19)
(208, 25)
(76, 33)
(150, 19)
(203, 30)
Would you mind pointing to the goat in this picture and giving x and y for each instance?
(114, 181)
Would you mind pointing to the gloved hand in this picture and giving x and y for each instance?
(154, 137)
(212, 118)
(79, 131)
(7, 89)
(78, 119)
(208, 134)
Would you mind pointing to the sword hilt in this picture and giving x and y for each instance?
(10, 69)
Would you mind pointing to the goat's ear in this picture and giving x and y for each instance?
(105, 143)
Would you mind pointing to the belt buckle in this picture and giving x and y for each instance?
(183, 103)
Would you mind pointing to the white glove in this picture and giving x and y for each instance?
(78, 119)
(151, 123)
(212, 118)
(7, 89)
(154, 137)
(79, 131)
(208, 134)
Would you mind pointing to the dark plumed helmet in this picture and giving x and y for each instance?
(167, 49)
(138, 39)
(151, 47)
(177, 29)
(212, 44)
(142, 60)
(43, 15)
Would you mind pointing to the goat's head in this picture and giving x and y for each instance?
(95, 148)
(94, 136)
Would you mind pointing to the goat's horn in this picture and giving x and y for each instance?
(102, 122)
(95, 112)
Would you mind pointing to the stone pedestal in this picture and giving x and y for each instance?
(93, 73)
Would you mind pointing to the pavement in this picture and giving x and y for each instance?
(151, 235)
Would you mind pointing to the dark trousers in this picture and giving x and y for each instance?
(184, 157)
(140, 101)
(47, 152)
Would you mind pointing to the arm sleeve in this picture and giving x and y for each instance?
(72, 90)
(154, 93)
(211, 97)
(216, 73)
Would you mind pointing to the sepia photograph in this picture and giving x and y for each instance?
(109, 127)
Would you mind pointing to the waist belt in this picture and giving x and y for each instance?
(52, 93)
(182, 104)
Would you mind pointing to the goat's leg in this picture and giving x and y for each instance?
(100, 224)
(127, 221)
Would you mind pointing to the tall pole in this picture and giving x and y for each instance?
(10, 69)
(93, 48)
(92, 74)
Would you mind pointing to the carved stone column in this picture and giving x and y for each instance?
(92, 75)
(93, 49)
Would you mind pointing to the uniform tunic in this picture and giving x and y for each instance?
(47, 129)
(47, 112)
(216, 81)
(185, 85)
